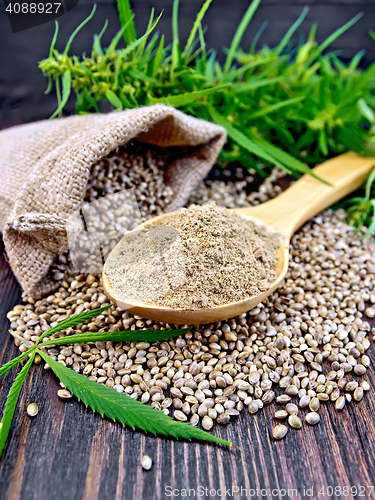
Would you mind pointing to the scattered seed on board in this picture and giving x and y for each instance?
(370, 312)
(64, 394)
(280, 431)
(253, 407)
(295, 421)
(179, 415)
(32, 409)
(146, 462)
(304, 401)
(358, 394)
(207, 423)
(340, 403)
(238, 362)
(312, 418)
(365, 385)
(281, 414)
(194, 419)
(314, 404)
(291, 408)
(359, 370)
(283, 399)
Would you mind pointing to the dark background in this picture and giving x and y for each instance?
(22, 84)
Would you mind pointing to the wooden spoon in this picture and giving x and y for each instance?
(285, 214)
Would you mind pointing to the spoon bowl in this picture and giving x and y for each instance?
(198, 316)
(284, 214)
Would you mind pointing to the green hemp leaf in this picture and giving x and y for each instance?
(105, 401)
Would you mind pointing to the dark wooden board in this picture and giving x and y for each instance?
(68, 453)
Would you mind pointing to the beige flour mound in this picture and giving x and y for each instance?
(215, 257)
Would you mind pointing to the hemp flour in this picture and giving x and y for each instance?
(196, 258)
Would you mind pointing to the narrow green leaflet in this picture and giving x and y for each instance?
(126, 336)
(72, 36)
(66, 88)
(366, 111)
(194, 30)
(188, 97)
(137, 42)
(53, 43)
(175, 39)
(287, 159)
(112, 47)
(142, 46)
(256, 84)
(113, 99)
(77, 319)
(257, 36)
(13, 362)
(11, 403)
(97, 46)
(274, 107)
(369, 183)
(125, 15)
(158, 57)
(371, 227)
(122, 408)
(239, 34)
(241, 139)
(284, 42)
(327, 42)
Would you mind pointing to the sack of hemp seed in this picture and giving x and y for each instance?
(45, 170)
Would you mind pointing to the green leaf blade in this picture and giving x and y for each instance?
(327, 42)
(287, 159)
(72, 36)
(369, 184)
(194, 30)
(241, 139)
(13, 362)
(125, 336)
(66, 89)
(284, 42)
(256, 84)
(239, 34)
(137, 42)
(126, 17)
(113, 99)
(11, 403)
(77, 319)
(158, 59)
(175, 37)
(120, 407)
(274, 107)
(187, 97)
(53, 43)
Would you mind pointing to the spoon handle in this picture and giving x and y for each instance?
(309, 196)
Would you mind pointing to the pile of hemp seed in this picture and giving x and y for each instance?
(303, 347)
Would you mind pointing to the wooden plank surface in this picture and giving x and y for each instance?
(67, 452)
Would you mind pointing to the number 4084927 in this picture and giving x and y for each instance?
(33, 8)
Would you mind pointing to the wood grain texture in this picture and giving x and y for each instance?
(66, 452)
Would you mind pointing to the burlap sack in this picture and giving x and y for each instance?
(44, 168)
